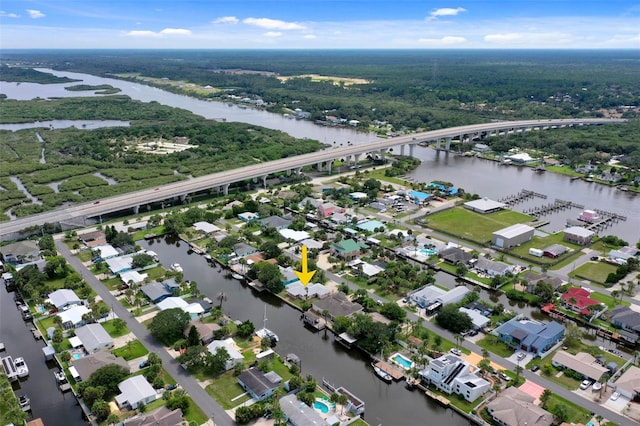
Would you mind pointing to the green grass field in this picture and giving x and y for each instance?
(474, 226)
(594, 271)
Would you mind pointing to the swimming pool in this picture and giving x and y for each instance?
(427, 252)
(402, 361)
(321, 406)
(77, 356)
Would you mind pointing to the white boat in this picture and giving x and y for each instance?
(206, 299)
(21, 367)
(237, 276)
(382, 374)
(264, 331)
(25, 402)
(63, 383)
(176, 267)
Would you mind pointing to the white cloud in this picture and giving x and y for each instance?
(176, 31)
(8, 15)
(153, 34)
(444, 41)
(309, 36)
(502, 38)
(273, 24)
(273, 34)
(35, 14)
(446, 11)
(226, 20)
(142, 33)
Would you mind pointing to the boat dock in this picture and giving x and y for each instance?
(441, 399)
(395, 373)
(520, 197)
(608, 219)
(36, 333)
(557, 205)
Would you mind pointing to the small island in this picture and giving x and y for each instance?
(100, 89)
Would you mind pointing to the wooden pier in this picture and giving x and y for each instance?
(557, 205)
(394, 372)
(608, 219)
(520, 197)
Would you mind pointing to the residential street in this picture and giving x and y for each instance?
(186, 381)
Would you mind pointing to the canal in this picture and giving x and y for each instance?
(321, 356)
(47, 402)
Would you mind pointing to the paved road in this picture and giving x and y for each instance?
(186, 381)
(76, 214)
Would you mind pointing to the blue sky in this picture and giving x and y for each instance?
(320, 24)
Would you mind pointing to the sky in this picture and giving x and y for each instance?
(320, 24)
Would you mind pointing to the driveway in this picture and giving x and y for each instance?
(201, 398)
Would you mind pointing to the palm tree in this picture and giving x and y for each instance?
(221, 297)
(485, 353)
(342, 400)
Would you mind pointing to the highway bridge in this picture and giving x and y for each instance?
(323, 159)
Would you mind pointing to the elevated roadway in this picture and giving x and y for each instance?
(78, 213)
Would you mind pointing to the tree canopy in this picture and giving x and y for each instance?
(168, 325)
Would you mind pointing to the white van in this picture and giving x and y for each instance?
(74, 374)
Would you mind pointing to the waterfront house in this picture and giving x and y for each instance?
(243, 249)
(628, 384)
(337, 305)
(455, 255)
(578, 300)
(347, 249)
(193, 309)
(513, 407)
(298, 413)
(258, 384)
(455, 295)
(531, 279)
(299, 291)
(426, 295)
(134, 277)
(492, 268)
(64, 298)
(480, 147)
(74, 316)
(235, 357)
(453, 375)
(578, 235)
(206, 330)
(582, 363)
(20, 252)
(87, 365)
(119, 264)
(155, 292)
(135, 391)
(94, 337)
(161, 416)
(624, 253)
(529, 335)
(479, 321)
(625, 318)
(484, 206)
(205, 228)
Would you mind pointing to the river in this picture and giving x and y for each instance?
(321, 357)
(47, 402)
(483, 177)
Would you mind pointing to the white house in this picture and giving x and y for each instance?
(63, 298)
(235, 357)
(135, 391)
(453, 375)
(94, 337)
(72, 317)
(105, 251)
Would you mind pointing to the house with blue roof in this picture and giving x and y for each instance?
(536, 337)
(370, 225)
(419, 197)
(156, 292)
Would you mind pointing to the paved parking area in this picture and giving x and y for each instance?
(532, 389)
(522, 362)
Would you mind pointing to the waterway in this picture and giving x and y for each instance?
(321, 357)
(47, 402)
(63, 124)
(483, 177)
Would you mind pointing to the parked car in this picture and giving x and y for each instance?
(123, 287)
(521, 356)
(585, 384)
(615, 396)
(144, 364)
(171, 387)
(595, 258)
(535, 368)
(504, 377)
(456, 351)
(597, 386)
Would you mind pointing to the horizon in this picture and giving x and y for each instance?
(319, 25)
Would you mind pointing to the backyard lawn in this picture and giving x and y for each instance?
(492, 344)
(112, 330)
(474, 226)
(575, 413)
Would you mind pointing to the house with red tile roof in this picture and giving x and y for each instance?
(578, 300)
